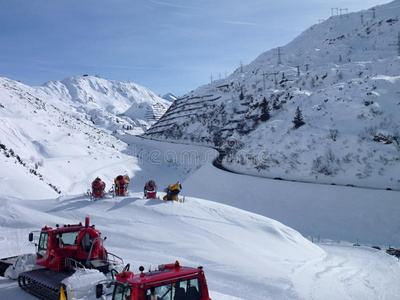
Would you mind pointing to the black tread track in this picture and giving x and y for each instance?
(43, 283)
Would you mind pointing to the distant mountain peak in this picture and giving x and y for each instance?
(169, 97)
(110, 104)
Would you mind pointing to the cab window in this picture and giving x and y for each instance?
(42, 247)
(122, 292)
(180, 290)
(69, 238)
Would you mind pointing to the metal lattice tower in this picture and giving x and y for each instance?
(397, 44)
(275, 81)
(346, 15)
(279, 56)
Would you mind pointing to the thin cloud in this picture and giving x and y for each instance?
(240, 23)
(170, 4)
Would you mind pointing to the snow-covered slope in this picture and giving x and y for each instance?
(343, 75)
(244, 255)
(47, 147)
(110, 104)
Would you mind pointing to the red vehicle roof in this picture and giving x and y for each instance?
(164, 275)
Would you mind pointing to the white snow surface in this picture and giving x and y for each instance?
(245, 255)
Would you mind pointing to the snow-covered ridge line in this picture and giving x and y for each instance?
(110, 104)
(344, 80)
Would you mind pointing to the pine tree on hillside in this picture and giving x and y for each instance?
(241, 97)
(298, 120)
(265, 110)
(276, 104)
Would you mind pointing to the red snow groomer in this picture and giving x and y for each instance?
(150, 190)
(121, 185)
(60, 251)
(169, 282)
(98, 187)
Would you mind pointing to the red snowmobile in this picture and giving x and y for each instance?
(150, 190)
(121, 185)
(98, 187)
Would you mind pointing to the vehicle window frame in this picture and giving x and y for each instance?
(43, 243)
(69, 236)
(172, 288)
(125, 287)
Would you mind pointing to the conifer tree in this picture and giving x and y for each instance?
(265, 110)
(276, 105)
(241, 97)
(298, 119)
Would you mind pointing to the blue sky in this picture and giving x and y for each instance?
(165, 45)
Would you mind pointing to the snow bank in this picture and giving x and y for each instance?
(82, 284)
(23, 263)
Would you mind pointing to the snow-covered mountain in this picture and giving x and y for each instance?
(170, 97)
(49, 147)
(342, 78)
(55, 135)
(109, 104)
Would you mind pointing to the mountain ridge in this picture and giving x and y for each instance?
(342, 74)
(111, 104)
